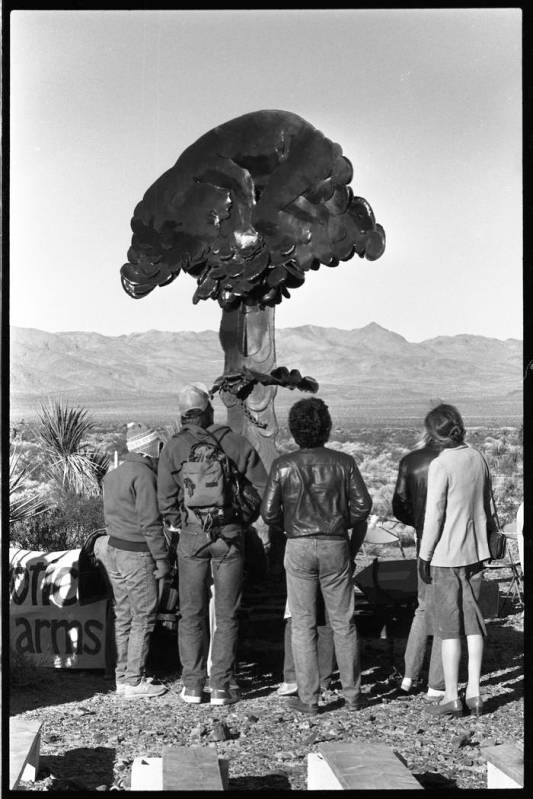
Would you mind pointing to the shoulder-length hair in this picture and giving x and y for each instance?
(444, 426)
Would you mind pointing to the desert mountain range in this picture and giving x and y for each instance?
(363, 371)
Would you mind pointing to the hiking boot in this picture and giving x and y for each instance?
(193, 696)
(224, 696)
(287, 689)
(302, 707)
(144, 688)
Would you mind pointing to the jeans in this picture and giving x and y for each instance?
(310, 563)
(225, 564)
(135, 603)
(421, 628)
(326, 653)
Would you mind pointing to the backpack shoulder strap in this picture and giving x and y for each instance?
(225, 430)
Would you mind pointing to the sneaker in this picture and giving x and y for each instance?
(302, 707)
(121, 685)
(233, 686)
(144, 688)
(193, 696)
(224, 696)
(433, 697)
(287, 689)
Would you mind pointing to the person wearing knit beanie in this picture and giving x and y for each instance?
(143, 439)
(136, 557)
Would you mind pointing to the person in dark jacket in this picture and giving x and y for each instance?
(199, 557)
(135, 557)
(317, 496)
(409, 507)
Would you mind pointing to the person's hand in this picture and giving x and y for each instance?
(424, 570)
(162, 569)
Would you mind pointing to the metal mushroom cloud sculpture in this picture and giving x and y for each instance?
(248, 209)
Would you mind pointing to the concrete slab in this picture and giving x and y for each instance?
(358, 765)
(24, 748)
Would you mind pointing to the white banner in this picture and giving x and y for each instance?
(47, 624)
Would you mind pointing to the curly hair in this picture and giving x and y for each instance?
(444, 427)
(310, 422)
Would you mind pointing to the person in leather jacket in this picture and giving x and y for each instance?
(317, 496)
(409, 507)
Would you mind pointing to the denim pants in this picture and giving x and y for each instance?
(135, 604)
(415, 650)
(224, 563)
(310, 563)
(326, 653)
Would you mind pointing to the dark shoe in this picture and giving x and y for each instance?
(475, 705)
(301, 707)
(454, 708)
(224, 696)
(358, 703)
(401, 693)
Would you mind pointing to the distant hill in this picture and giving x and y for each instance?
(364, 372)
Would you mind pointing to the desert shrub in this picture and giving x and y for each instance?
(25, 498)
(64, 526)
(75, 465)
(382, 500)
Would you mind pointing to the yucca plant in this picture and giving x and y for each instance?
(77, 467)
(22, 505)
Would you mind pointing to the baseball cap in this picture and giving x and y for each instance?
(193, 397)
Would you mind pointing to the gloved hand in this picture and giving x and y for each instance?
(424, 570)
(162, 569)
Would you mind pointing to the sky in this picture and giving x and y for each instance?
(426, 103)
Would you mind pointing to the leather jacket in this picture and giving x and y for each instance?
(315, 492)
(409, 499)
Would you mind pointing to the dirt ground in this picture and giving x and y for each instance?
(90, 736)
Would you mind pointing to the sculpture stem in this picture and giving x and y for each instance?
(247, 339)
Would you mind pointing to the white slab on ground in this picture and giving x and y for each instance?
(147, 774)
(358, 765)
(194, 768)
(505, 765)
(24, 749)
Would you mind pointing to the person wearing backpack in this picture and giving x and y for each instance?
(210, 483)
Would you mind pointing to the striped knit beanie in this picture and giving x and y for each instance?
(139, 437)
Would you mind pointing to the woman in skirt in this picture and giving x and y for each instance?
(454, 547)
